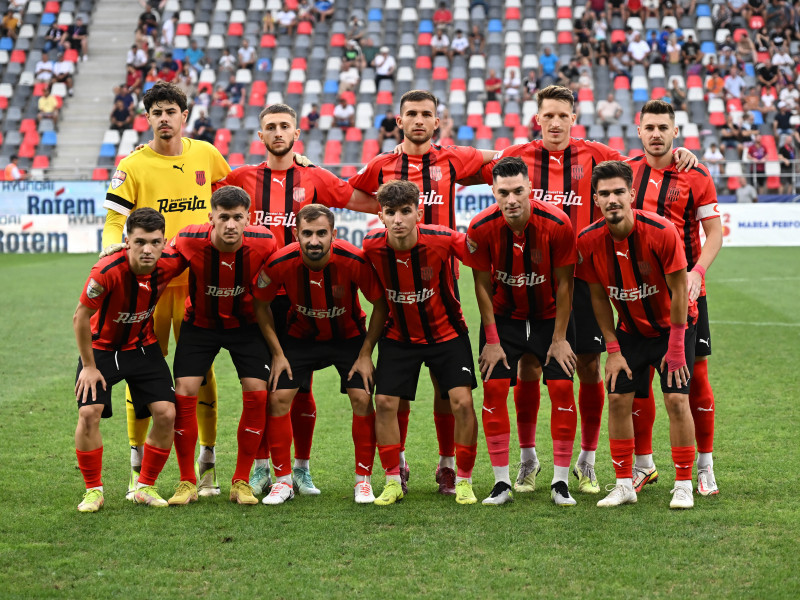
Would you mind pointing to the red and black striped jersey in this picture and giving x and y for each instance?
(220, 283)
(125, 301)
(324, 303)
(684, 198)
(418, 283)
(276, 196)
(633, 271)
(522, 265)
(435, 173)
(563, 177)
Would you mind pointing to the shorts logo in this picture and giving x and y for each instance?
(644, 267)
(577, 172)
(200, 177)
(436, 173)
(426, 273)
(94, 289)
(472, 245)
(118, 179)
(299, 194)
(263, 280)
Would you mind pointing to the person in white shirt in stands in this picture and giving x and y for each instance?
(385, 65)
(713, 159)
(459, 45)
(44, 68)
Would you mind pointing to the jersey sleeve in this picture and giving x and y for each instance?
(564, 246)
(670, 250)
(172, 264)
(466, 160)
(604, 152)
(368, 282)
(585, 267)
(458, 243)
(96, 289)
(219, 166)
(707, 198)
(366, 179)
(123, 189)
(331, 191)
(477, 255)
(486, 170)
(267, 283)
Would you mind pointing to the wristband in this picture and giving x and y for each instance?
(676, 355)
(698, 268)
(491, 334)
(612, 347)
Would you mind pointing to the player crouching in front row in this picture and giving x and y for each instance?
(325, 326)
(636, 259)
(114, 330)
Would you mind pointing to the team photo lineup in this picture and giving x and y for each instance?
(247, 260)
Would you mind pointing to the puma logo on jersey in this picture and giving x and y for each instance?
(316, 283)
(655, 183)
(405, 262)
(280, 182)
(417, 167)
(177, 167)
(520, 246)
(623, 254)
(557, 160)
(145, 285)
(229, 265)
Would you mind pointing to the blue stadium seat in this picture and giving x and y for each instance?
(108, 151)
(758, 118)
(331, 87)
(749, 69)
(426, 26)
(641, 95)
(708, 48)
(50, 138)
(465, 133)
(495, 26)
(703, 10)
(178, 53)
(375, 14)
(263, 65)
(6, 43)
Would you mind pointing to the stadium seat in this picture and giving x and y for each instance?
(100, 174)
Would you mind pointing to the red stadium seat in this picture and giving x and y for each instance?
(441, 74)
(223, 147)
(223, 136)
(634, 152)
(369, 150)
(257, 148)
(299, 147)
(349, 95)
(52, 6)
(38, 89)
(294, 87)
(326, 110)
(385, 97)
(622, 83)
(756, 22)
(617, 143)
(717, 119)
(424, 62)
(260, 87)
(140, 124)
(268, 41)
(31, 138)
(184, 29)
(585, 95)
(348, 171)
(694, 81)
(299, 63)
(424, 39)
(353, 134)
(236, 110)
(26, 150)
(564, 37)
(733, 183)
(117, 160)
(458, 84)
(618, 36)
(333, 152)
(236, 159)
(564, 12)
(512, 61)
(493, 106)
(304, 28)
(521, 131)
(474, 121)
(769, 144)
(256, 99)
(291, 4)
(734, 105)
(3, 103)
(40, 162)
(739, 34)
(338, 40)
(205, 86)
(304, 123)
(27, 125)
(511, 120)
(100, 174)
(657, 93)
(578, 131)
(773, 182)
(71, 55)
(513, 14)
(18, 56)
(692, 143)
(236, 29)
(502, 143)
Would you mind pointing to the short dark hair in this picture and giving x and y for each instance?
(555, 92)
(658, 107)
(312, 212)
(397, 193)
(276, 109)
(145, 218)
(164, 92)
(229, 197)
(510, 166)
(418, 96)
(611, 169)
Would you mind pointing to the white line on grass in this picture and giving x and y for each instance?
(755, 324)
(751, 279)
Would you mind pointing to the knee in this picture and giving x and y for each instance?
(588, 368)
(89, 417)
(461, 402)
(163, 414)
(677, 405)
(385, 404)
(279, 403)
(529, 368)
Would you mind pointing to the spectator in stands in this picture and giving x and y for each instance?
(713, 160)
(762, 40)
(195, 55)
(529, 86)
(619, 64)
(790, 95)
(187, 80)
(268, 23)
(313, 116)
(305, 12)
(751, 101)
(783, 61)
(715, 86)
(138, 59)
(602, 52)
(349, 78)
(690, 52)
(779, 13)
(726, 60)
(153, 74)
(512, 84)
(445, 126)
(782, 124)
(746, 193)
(54, 38)
(353, 57)
(369, 51)
(569, 74)
(597, 8)
(323, 10)
(385, 66)
(44, 68)
(440, 43)
(12, 170)
(227, 62)
(600, 30)
(356, 29)
(548, 67)
(745, 50)
(286, 19)
(756, 155)
(63, 72)
(609, 110)
(148, 21)
(721, 16)
(734, 83)
(168, 69)
(389, 129)
(769, 98)
(133, 78)
(616, 8)
(202, 128)
(460, 44)
(235, 90)
(673, 50)
(168, 32)
(48, 107)
(442, 16)
(10, 25)
(787, 154)
(344, 115)
(220, 97)
(684, 7)
(749, 128)
(730, 134)
(493, 85)
(477, 41)
(125, 95)
(247, 55)
(121, 118)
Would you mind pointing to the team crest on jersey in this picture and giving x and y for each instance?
(299, 194)
(118, 179)
(644, 267)
(472, 245)
(673, 194)
(200, 177)
(426, 273)
(536, 255)
(263, 280)
(577, 172)
(94, 289)
(337, 291)
(436, 173)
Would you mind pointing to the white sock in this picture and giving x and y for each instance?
(501, 474)
(626, 481)
(97, 487)
(287, 479)
(586, 456)
(360, 478)
(261, 462)
(527, 454)
(402, 458)
(463, 479)
(644, 461)
(393, 478)
(704, 460)
(560, 474)
(207, 455)
(685, 484)
(447, 462)
(140, 485)
(299, 463)
(136, 457)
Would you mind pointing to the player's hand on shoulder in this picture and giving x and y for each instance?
(302, 160)
(684, 159)
(562, 353)
(87, 382)
(490, 356)
(112, 249)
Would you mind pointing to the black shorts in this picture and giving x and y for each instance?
(703, 345)
(143, 369)
(586, 332)
(280, 306)
(197, 347)
(307, 356)
(642, 352)
(399, 363)
(518, 337)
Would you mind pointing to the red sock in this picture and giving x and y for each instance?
(263, 447)
(402, 421)
(304, 418)
(390, 458)
(445, 430)
(591, 397)
(364, 442)
(248, 436)
(563, 420)
(496, 425)
(683, 457)
(186, 435)
(465, 460)
(279, 430)
(91, 466)
(527, 395)
(644, 415)
(701, 401)
(622, 457)
(153, 460)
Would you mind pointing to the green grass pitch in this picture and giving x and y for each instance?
(741, 544)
